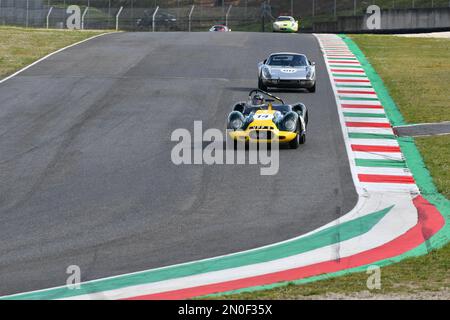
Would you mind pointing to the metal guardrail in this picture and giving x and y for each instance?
(190, 15)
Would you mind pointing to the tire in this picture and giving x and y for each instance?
(312, 89)
(302, 139)
(261, 85)
(294, 144)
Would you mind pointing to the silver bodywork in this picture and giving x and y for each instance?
(224, 28)
(287, 76)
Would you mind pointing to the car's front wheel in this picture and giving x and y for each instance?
(293, 144)
(261, 85)
(313, 88)
(302, 139)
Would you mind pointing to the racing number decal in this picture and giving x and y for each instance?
(263, 117)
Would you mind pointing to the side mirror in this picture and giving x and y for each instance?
(265, 60)
(313, 63)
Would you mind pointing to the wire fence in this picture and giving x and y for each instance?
(185, 15)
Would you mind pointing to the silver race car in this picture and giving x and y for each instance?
(287, 70)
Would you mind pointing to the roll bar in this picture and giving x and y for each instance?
(265, 93)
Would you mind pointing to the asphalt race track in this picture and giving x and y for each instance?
(86, 176)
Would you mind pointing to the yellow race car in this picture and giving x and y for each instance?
(261, 120)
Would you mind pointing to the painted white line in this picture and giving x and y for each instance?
(347, 67)
(361, 102)
(355, 89)
(381, 170)
(350, 75)
(344, 65)
(371, 130)
(374, 142)
(364, 111)
(368, 120)
(338, 52)
(351, 86)
(343, 77)
(390, 187)
(358, 95)
(378, 155)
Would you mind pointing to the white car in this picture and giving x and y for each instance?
(219, 28)
(287, 70)
(285, 24)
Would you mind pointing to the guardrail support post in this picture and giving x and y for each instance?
(190, 17)
(28, 14)
(117, 18)
(83, 16)
(153, 18)
(48, 16)
(228, 13)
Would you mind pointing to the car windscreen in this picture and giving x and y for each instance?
(287, 60)
(283, 19)
(282, 108)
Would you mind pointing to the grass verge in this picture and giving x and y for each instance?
(20, 47)
(435, 152)
(415, 70)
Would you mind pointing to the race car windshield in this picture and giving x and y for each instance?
(283, 19)
(287, 61)
(219, 28)
(281, 108)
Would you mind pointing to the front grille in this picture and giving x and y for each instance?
(261, 135)
(289, 81)
(260, 128)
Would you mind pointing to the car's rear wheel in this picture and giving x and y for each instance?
(261, 85)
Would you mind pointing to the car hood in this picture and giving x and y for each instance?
(283, 23)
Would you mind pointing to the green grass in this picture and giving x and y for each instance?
(415, 70)
(436, 154)
(19, 46)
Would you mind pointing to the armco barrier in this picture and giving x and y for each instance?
(392, 20)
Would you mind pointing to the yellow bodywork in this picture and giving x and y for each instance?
(262, 123)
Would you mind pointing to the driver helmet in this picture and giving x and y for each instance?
(258, 99)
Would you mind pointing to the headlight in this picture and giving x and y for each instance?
(266, 73)
(236, 120)
(236, 124)
(289, 125)
(289, 122)
(309, 74)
